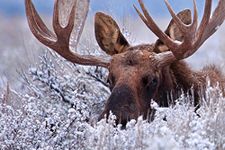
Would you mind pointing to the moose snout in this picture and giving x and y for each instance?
(121, 103)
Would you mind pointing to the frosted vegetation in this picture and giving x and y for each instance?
(61, 101)
(57, 105)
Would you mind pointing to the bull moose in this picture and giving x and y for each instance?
(138, 74)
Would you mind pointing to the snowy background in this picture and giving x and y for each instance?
(48, 103)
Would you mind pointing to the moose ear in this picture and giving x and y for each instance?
(173, 31)
(108, 35)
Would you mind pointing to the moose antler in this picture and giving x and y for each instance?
(193, 36)
(59, 41)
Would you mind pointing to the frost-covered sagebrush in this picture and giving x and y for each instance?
(62, 101)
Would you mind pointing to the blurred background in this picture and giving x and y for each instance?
(19, 50)
(118, 7)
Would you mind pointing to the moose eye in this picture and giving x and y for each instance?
(147, 81)
(154, 82)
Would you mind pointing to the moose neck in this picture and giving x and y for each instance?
(178, 78)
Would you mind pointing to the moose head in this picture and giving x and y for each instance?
(140, 73)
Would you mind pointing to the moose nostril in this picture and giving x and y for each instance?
(145, 80)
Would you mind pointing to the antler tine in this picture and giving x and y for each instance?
(215, 21)
(183, 27)
(60, 41)
(147, 19)
(37, 26)
(205, 19)
(55, 23)
(193, 36)
(194, 24)
(70, 24)
(63, 33)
